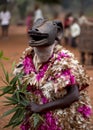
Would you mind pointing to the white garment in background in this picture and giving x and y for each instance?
(38, 14)
(5, 18)
(84, 20)
(75, 30)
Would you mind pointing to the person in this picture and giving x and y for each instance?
(5, 17)
(67, 23)
(86, 26)
(75, 32)
(83, 19)
(29, 21)
(56, 81)
(37, 13)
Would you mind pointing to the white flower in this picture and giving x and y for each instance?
(48, 86)
(60, 112)
(47, 94)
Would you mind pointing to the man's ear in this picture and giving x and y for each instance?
(60, 29)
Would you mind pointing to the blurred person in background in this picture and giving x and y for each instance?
(29, 20)
(37, 13)
(5, 17)
(67, 22)
(83, 19)
(74, 32)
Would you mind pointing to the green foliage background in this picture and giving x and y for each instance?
(72, 5)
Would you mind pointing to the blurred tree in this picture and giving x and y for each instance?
(49, 1)
(77, 4)
(66, 4)
(3, 2)
(85, 4)
(22, 5)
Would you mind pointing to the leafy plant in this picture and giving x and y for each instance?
(17, 98)
(2, 56)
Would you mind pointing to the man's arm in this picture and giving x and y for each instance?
(71, 96)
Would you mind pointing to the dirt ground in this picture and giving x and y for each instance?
(13, 47)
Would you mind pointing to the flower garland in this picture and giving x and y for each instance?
(29, 67)
(64, 70)
(50, 123)
(85, 110)
(42, 71)
(63, 60)
(62, 55)
(28, 64)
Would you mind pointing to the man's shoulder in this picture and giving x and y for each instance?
(61, 50)
(27, 51)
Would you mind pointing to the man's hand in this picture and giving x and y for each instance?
(34, 108)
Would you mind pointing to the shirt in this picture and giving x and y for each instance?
(5, 17)
(75, 30)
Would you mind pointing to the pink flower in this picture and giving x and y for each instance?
(72, 79)
(29, 67)
(50, 123)
(66, 72)
(62, 55)
(85, 110)
(29, 88)
(44, 100)
(25, 126)
(42, 72)
(28, 64)
(71, 76)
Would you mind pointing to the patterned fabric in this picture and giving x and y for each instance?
(49, 84)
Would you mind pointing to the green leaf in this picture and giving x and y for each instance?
(24, 87)
(12, 100)
(3, 69)
(2, 57)
(18, 98)
(4, 81)
(5, 58)
(16, 115)
(36, 117)
(20, 118)
(41, 118)
(6, 90)
(9, 112)
(16, 119)
(15, 79)
(24, 101)
(19, 84)
(5, 73)
(13, 65)
(17, 95)
(16, 124)
(1, 54)
(8, 125)
(7, 77)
